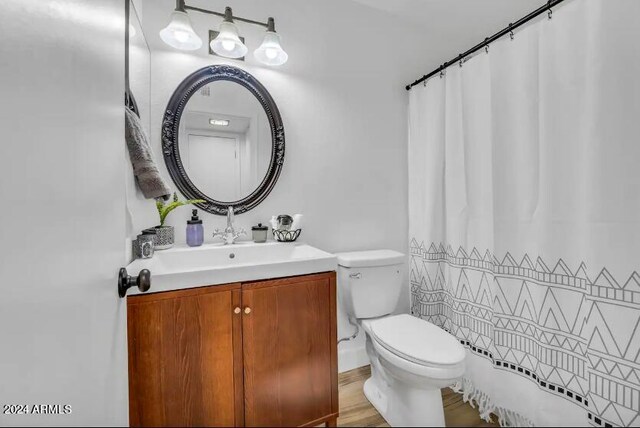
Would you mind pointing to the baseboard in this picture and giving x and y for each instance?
(352, 358)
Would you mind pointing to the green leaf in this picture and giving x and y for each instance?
(164, 210)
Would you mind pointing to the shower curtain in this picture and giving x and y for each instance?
(524, 217)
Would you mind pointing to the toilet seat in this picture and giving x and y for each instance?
(417, 341)
(431, 371)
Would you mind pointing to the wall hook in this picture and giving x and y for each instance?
(125, 281)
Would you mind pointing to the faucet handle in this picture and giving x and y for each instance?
(217, 232)
(240, 232)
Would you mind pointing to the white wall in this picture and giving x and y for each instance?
(343, 103)
(62, 325)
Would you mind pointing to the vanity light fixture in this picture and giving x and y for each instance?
(219, 122)
(180, 35)
(228, 43)
(270, 51)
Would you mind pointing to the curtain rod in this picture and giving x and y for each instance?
(512, 26)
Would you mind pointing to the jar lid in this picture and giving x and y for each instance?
(194, 218)
(259, 227)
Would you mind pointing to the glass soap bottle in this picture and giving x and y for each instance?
(195, 230)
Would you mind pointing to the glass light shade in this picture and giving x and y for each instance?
(270, 51)
(228, 43)
(179, 33)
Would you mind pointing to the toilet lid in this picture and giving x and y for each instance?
(417, 340)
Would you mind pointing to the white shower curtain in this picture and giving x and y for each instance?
(524, 213)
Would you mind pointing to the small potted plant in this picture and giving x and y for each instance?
(165, 236)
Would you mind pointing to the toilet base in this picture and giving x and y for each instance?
(404, 405)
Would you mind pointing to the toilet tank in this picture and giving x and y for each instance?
(370, 282)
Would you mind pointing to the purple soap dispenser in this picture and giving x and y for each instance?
(195, 230)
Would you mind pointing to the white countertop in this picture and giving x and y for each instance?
(183, 267)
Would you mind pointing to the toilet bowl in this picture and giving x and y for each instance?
(411, 359)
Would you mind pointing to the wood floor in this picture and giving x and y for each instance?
(356, 411)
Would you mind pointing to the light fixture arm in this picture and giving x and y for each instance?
(271, 25)
(227, 15)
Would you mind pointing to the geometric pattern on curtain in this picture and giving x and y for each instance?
(507, 311)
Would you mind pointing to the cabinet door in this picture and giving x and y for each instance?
(289, 347)
(185, 360)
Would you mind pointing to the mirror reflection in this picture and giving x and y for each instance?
(225, 141)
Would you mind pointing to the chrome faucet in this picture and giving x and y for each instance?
(230, 233)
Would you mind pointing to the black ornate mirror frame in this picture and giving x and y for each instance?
(170, 132)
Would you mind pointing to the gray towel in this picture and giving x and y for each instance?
(145, 170)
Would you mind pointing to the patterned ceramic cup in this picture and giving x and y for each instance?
(164, 237)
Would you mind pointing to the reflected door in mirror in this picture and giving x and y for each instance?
(211, 160)
(225, 141)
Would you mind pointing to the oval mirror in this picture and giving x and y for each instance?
(223, 139)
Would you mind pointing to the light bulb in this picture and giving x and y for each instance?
(228, 45)
(271, 53)
(181, 36)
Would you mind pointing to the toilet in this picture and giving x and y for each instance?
(411, 359)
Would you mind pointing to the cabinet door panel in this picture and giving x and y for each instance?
(181, 358)
(288, 350)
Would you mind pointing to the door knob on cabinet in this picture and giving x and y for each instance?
(247, 310)
(237, 310)
(125, 281)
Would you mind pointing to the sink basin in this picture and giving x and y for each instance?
(212, 264)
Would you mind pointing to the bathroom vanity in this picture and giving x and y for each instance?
(251, 352)
(230, 335)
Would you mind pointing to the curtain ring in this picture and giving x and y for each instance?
(442, 71)
(550, 13)
(460, 63)
(511, 35)
(486, 47)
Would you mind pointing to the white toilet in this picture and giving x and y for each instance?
(411, 359)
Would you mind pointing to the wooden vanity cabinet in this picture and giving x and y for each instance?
(262, 353)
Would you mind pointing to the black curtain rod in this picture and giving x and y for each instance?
(547, 7)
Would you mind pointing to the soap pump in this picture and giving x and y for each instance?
(195, 230)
